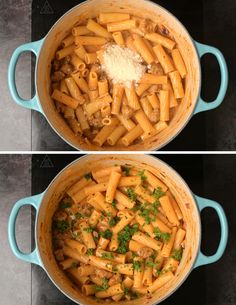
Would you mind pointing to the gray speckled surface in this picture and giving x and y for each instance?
(15, 275)
(15, 29)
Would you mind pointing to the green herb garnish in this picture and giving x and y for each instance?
(141, 174)
(65, 203)
(104, 286)
(124, 236)
(137, 266)
(88, 229)
(108, 255)
(126, 290)
(158, 193)
(61, 226)
(159, 235)
(151, 264)
(74, 265)
(113, 221)
(78, 215)
(177, 254)
(90, 251)
(131, 194)
(88, 176)
(114, 202)
(106, 234)
(126, 170)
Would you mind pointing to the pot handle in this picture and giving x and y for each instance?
(207, 203)
(32, 257)
(201, 104)
(34, 102)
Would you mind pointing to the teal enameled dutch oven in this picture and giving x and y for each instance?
(46, 204)
(191, 50)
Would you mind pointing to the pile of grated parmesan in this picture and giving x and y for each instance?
(122, 65)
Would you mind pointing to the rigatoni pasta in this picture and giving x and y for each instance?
(118, 66)
(118, 233)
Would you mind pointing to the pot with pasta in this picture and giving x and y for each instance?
(112, 75)
(122, 229)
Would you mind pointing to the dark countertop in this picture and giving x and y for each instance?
(210, 176)
(219, 29)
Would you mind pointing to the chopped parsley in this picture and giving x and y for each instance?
(131, 194)
(74, 265)
(124, 236)
(141, 174)
(177, 254)
(137, 266)
(126, 290)
(88, 176)
(126, 170)
(107, 255)
(151, 264)
(113, 221)
(65, 203)
(158, 193)
(104, 286)
(106, 234)
(159, 235)
(78, 215)
(145, 213)
(154, 207)
(61, 226)
(88, 230)
(114, 202)
(90, 251)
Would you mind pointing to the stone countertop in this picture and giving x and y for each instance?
(15, 29)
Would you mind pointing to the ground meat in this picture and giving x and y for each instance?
(103, 224)
(147, 26)
(57, 76)
(164, 31)
(115, 279)
(156, 69)
(127, 111)
(56, 65)
(58, 243)
(145, 252)
(102, 273)
(154, 88)
(66, 60)
(155, 116)
(60, 215)
(67, 69)
(61, 236)
(59, 255)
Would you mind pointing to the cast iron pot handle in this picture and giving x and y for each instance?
(34, 102)
(32, 257)
(207, 203)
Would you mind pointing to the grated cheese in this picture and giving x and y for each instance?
(122, 65)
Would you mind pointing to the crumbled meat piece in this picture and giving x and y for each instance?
(95, 234)
(102, 273)
(60, 215)
(127, 111)
(155, 116)
(59, 255)
(61, 236)
(58, 243)
(66, 60)
(57, 76)
(67, 69)
(156, 69)
(147, 26)
(145, 252)
(115, 279)
(56, 65)
(103, 224)
(154, 88)
(164, 30)
(95, 122)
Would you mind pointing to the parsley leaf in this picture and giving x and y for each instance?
(158, 193)
(104, 286)
(141, 174)
(137, 266)
(126, 170)
(106, 234)
(151, 264)
(177, 254)
(61, 226)
(88, 176)
(88, 230)
(159, 235)
(65, 203)
(78, 215)
(124, 236)
(131, 194)
(114, 202)
(126, 290)
(90, 251)
(113, 221)
(107, 255)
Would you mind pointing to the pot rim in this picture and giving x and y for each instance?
(198, 89)
(170, 168)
